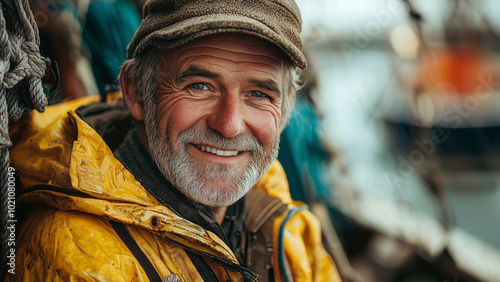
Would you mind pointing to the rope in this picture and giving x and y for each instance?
(21, 91)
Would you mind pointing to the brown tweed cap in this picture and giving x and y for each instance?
(170, 23)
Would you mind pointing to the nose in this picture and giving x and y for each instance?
(227, 117)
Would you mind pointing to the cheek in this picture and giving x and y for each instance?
(178, 116)
(265, 126)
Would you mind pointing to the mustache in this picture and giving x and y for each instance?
(213, 138)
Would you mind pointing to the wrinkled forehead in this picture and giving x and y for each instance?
(245, 47)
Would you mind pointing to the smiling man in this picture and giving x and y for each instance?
(192, 190)
(213, 125)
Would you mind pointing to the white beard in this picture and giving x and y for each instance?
(205, 182)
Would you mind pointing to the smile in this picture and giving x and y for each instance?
(222, 153)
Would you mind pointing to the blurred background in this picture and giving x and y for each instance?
(395, 141)
(409, 97)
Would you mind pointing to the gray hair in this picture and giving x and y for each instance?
(145, 73)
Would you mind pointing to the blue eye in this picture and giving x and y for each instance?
(257, 94)
(199, 86)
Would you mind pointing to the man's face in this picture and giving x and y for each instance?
(216, 130)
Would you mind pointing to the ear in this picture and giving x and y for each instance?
(132, 96)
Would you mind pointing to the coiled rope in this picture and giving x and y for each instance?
(21, 90)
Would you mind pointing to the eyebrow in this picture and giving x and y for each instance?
(197, 71)
(267, 84)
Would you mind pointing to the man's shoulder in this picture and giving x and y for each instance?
(44, 220)
(63, 245)
(274, 183)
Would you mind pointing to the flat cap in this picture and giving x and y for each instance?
(170, 23)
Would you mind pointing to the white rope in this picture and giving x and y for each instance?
(21, 71)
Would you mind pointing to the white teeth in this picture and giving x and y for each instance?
(214, 151)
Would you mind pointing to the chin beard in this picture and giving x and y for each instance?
(205, 182)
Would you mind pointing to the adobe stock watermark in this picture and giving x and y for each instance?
(11, 221)
(452, 118)
(483, 91)
(371, 29)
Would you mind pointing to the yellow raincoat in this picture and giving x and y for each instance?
(73, 187)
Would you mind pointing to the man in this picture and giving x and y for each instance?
(210, 86)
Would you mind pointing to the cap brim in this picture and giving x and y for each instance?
(184, 31)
